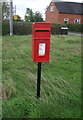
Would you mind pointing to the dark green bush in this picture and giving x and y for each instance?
(56, 28)
(75, 27)
(25, 28)
(5, 27)
(22, 28)
(19, 28)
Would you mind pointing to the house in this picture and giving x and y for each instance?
(64, 12)
(17, 17)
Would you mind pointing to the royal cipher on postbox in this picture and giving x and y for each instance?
(41, 41)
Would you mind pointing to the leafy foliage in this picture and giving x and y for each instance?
(25, 28)
(5, 27)
(38, 17)
(33, 17)
(29, 16)
(5, 10)
(56, 28)
(75, 27)
(22, 28)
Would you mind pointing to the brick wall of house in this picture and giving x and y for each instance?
(71, 18)
(57, 17)
(52, 16)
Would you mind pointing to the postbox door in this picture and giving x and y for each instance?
(41, 51)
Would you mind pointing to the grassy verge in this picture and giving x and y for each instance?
(60, 80)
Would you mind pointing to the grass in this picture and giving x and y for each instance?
(0, 76)
(60, 80)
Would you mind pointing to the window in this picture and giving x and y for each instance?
(66, 20)
(77, 21)
(51, 8)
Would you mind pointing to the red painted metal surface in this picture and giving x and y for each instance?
(41, 42)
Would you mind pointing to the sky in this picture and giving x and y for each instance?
(35, 5)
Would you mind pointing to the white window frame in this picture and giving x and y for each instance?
(51, 8)
(66, 20)
(78, 21)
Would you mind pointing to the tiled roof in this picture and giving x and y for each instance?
(69, 7)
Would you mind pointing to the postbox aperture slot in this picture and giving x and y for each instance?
(42, 30)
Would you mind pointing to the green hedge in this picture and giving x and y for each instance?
(25, 28)
(56, 28)
(75, 27)
(22, 28)
(19, 28)
(5, 28)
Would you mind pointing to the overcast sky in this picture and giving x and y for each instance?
(35, 5)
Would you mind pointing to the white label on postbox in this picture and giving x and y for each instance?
(42, 48)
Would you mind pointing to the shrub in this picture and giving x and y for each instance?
(5, 27)
(25, 28)
(56, 28)
(19, 28)
(22, 28)
(75, 27)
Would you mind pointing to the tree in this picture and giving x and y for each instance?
(5, 10)
(33, 17)
(38, 17)
(29, 16)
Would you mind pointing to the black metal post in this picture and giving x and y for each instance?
(38, 79)
(61, 31)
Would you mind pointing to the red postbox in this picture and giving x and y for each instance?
(41, 42)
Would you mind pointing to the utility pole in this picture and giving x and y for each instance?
(15, 9)
(11, 17)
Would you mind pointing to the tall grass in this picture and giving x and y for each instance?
(60, 79)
